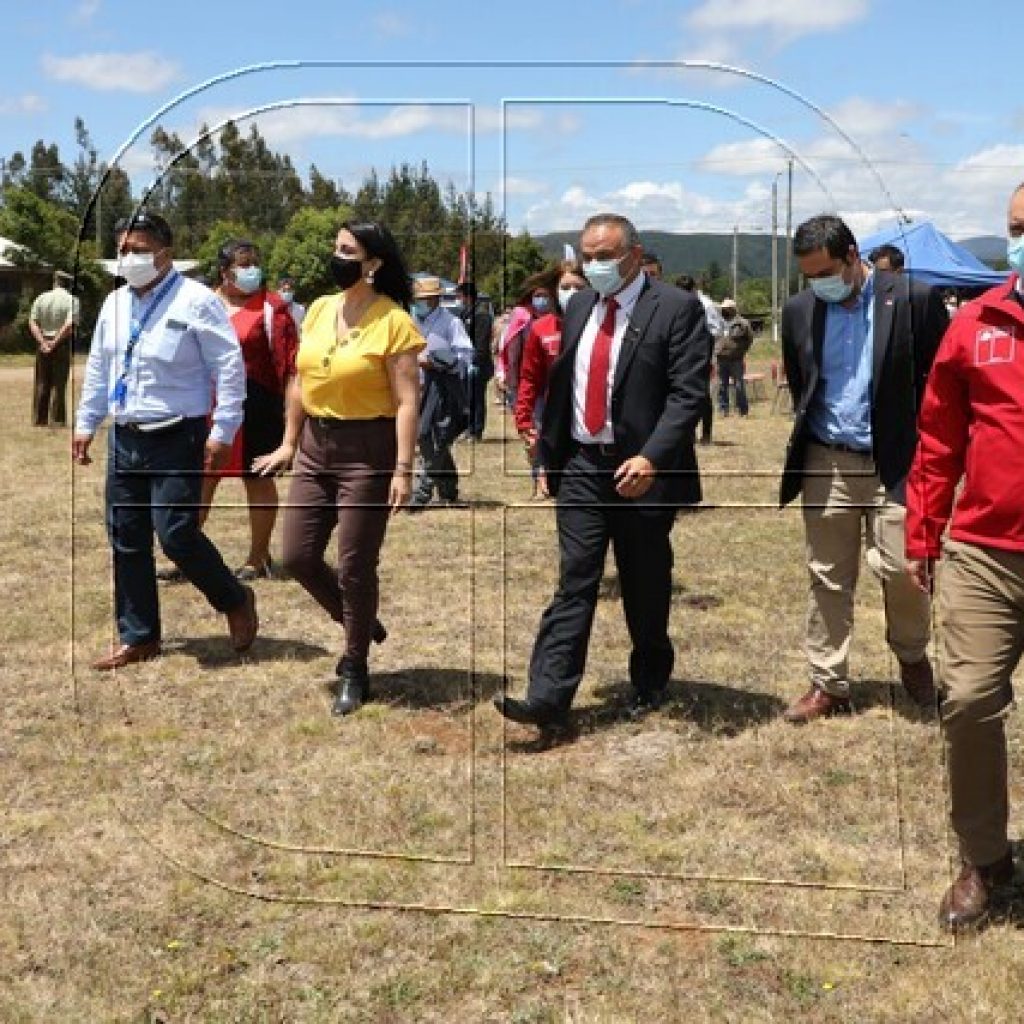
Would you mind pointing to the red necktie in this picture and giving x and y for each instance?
(596, 406)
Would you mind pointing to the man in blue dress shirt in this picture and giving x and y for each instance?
(162, 346)
(857, 347)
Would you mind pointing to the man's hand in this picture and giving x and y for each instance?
(80, 449)
(634, 477)
(217, 455)
(922, 572)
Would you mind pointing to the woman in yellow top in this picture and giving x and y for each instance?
(351, 431)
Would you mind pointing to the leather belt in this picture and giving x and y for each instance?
(605, 451)
(157, 426)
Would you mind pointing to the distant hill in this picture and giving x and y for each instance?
(989, 248)
(692, 254)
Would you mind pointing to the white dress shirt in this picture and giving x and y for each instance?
(581, 369)
(187, 353)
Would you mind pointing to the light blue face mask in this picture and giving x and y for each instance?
(604, 276)
(1015, 254)
(248, 279)
(831, 289)
(421, 310)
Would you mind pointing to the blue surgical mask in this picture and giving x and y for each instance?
(541, 304)
(286, 296)
(248, 279)
(831, 289)
(604, 276)
(420, 310)
(1015, 254)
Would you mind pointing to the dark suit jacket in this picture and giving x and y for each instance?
(661, 382)
(909, 321)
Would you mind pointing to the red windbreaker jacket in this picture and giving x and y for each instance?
(972, 426)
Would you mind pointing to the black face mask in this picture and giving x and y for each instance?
(345, 272)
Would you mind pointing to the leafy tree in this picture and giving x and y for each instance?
(523, 257)
(323, 193)
(303, 251)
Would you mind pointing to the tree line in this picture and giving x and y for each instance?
(233, 184)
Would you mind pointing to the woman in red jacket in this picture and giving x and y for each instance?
(543, 343)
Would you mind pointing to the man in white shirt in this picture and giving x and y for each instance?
(616, 441)
(161, 346)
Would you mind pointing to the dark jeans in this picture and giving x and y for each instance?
(731, 370)
(479, 377)
(154, 481)
(590, 515)
(437, 472)
(49, 390)
(342, 479)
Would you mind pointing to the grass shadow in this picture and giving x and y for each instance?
(867, 694)
(216, 651)
(611, 590)
(436, 689)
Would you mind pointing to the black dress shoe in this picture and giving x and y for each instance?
(532, 712)
(645, 699)
(354, 687)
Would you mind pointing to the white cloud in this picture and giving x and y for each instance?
(109, 72)
(788, 18)
(86, 10)
(392, 25)
(524, 186)
(862, 118)
(27, 103)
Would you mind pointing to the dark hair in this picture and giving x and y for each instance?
(151, 224)
(229, 251)
(826, 231)
(546, 278)
(392, 277)
(648, 258)
(686, 282)
(467, 288)
(629, 231)
(889, 252)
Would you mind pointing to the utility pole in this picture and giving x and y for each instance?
(775, 259)
(735, 262)
(789, 229)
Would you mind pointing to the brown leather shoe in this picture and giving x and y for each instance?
(243, 622)
(968, 900)
(816, 703)
(919, 682)
(127, 654)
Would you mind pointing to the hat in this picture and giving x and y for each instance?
(427, 288)
(728, 304)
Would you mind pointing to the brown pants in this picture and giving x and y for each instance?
(342, 478)
(981, 637)
(49, 390)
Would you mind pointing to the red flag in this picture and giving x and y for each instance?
(463, 264)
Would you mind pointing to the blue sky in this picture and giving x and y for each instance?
(926, 97)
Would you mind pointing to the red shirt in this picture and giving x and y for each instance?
(972, 426)
(267, 364)
(543, 343)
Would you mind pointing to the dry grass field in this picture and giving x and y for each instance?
(197, 839)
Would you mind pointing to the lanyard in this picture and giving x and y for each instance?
(120, 392)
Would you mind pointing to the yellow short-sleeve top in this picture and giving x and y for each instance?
(347, 379)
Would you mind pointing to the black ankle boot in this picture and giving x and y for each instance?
(353, 686)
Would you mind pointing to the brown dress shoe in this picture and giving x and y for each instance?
(816, 703)
(243, 622)
(968, 900)
(919, 682)
(127, 654)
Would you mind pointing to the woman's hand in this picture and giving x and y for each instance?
(276, 462)
(400, 490)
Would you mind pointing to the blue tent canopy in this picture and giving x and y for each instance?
(934, 258)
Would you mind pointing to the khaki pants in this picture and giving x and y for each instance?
(843, 501)
(981, 622)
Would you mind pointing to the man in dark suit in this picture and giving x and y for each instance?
(616, 439)
(857, 347)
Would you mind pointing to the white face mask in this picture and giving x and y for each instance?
(137, 269)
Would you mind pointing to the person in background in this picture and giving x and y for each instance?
(966, 475)
(730, 352)
(51, 322)
(536, 298)
(887, 257)
(652, 266)
(286, 289)
(162, 344)
(444, 365)
(857, 345)
(269, 340)
(543, 343)
(479, 323)
(716, 327)
(350, 429)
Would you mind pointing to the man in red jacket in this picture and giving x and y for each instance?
(972, 427)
